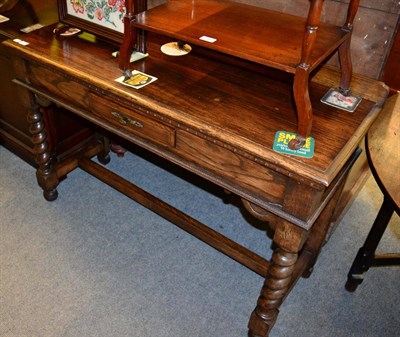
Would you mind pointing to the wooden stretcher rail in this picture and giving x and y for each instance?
(216, 240)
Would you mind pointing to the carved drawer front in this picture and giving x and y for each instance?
(254, 179)
(57, 84)
(128, 120)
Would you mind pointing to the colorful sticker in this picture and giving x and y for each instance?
(281, 144)
(345, 102)
(137, 80)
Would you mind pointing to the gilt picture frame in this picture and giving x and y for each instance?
(102, 18)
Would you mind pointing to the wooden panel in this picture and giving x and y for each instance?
(374, 27)
(12, 112)
(391, 72)
(373, 32)
(68, 131)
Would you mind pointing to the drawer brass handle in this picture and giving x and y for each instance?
(125, 120)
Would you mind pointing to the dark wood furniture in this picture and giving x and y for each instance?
(216, 116)
(270, 38)
(384, 160)
(391, 71)
(69, 132)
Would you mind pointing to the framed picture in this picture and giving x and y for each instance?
(103, 18)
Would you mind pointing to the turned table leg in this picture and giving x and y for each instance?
(46, 176)
(104, 155)
(289, 240)
(275, 287)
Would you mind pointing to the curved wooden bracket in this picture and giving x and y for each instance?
(259, 212)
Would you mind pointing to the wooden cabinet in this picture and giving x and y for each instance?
(69, 131)
(285, 42)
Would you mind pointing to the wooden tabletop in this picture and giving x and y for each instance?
(382, 149)
(233, 102)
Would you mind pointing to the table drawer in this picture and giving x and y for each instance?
(60, 87)
(246, 174)
(133, 122)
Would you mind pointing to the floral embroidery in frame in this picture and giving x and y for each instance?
(106, 13)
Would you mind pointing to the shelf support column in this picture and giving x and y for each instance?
(132, 38)
(313, 20)
(301, 77)
(346, 66)
(303, 107)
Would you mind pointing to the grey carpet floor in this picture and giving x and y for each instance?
(94, 263)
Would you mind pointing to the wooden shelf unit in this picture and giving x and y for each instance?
(244, 31)
(286, 42)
